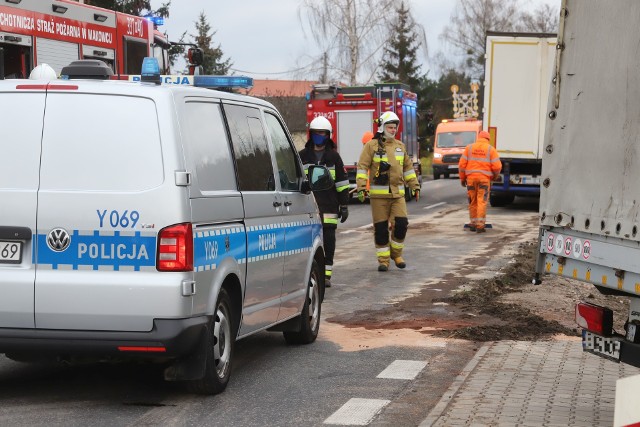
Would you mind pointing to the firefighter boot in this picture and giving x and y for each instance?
(381, 236)
(383, 258)
(328, 271)
(399, 262)
(397, 241)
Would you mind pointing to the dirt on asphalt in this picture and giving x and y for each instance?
(505, 307)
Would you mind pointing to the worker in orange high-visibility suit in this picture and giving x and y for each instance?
(479, 163)
(366, 137)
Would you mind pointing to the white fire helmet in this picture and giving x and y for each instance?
(43, 72)
(320, 123)
(387, 117)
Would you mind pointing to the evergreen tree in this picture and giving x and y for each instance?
(213, 63)
(399, 62)
(435, 101)
(132, 7)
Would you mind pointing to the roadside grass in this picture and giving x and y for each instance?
(425, 162)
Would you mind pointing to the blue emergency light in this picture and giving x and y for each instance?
(150, 70)
(157, 20)
(223, 82)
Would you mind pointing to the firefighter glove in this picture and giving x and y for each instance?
(362, 195)
(344, 213)
(416, 194)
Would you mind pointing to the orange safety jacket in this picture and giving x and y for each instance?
(479, 158)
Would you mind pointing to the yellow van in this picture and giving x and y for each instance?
(451, 137)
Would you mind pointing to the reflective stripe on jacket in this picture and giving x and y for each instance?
(328, 200)
(479, 158)
(400, 173)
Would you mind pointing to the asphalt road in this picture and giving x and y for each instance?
(349, 376)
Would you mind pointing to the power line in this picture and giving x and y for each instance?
(306, 67)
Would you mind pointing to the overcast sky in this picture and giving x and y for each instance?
(264, 38)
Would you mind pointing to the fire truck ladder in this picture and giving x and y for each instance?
(383, 100)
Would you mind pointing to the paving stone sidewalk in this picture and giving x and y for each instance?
(540, 383)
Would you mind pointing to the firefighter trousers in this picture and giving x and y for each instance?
(389, 213)
(329, 225)
(478, 188)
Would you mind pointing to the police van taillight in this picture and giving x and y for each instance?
(175, 248)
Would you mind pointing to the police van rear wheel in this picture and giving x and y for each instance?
(310, 316)
(218, 350)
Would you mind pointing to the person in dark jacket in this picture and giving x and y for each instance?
(332, 203)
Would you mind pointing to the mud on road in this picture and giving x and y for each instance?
(505, 306)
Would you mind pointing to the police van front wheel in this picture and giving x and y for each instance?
(310, 316)
(218, 350)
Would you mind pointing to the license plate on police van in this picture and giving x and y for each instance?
(10, 252)
(603, 346)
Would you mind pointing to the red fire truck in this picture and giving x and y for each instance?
(352, 111)
(57, 32)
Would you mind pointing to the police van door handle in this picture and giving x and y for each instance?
(277, 204)
(287, 203)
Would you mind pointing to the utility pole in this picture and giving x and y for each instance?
(324, 68)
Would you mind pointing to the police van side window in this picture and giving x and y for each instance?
(253, 160)
(288, 167)
(208, 147)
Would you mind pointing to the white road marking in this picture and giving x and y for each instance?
(357, 412)
(435, 206)
(403, 369)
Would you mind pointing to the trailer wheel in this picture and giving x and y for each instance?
(500, 201)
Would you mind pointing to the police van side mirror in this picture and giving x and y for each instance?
(320, 178)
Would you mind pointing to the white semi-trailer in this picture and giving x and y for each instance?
(590, 194)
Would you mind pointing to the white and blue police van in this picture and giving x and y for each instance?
(152, 220)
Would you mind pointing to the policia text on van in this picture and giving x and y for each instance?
(155, 221)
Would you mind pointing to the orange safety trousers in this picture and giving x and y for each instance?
(478, 187)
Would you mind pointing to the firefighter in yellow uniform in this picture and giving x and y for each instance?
(385, 163)
(478, 164)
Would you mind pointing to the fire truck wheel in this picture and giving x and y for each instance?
(436, 175)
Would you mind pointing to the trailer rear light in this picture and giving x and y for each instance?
(595, 318)
(175, 248)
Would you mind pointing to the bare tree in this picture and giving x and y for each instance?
(350, 33)
(470, 21)
(543, 19)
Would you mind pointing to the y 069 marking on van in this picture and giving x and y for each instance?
(118, 219)
(208, 252)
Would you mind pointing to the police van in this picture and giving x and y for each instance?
(155, 221)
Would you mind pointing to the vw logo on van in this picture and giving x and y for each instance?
(58, 239)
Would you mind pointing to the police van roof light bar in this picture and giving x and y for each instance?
(223, 82)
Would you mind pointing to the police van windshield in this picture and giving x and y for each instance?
(455, 139)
